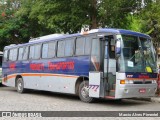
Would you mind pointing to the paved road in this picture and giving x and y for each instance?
(48, 101)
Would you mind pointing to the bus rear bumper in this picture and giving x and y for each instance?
(135, 90)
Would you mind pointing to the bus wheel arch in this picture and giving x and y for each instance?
(19, 84)
(78, 82)
(17, 77)
(81, 84)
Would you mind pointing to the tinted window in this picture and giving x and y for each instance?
(80, 45)
(35, 51)
(51, 49)
(25, 53)
(20, 54)
(13, 54)
(45, 51)
(88, 45)
(48, 50)
(15, 51)
(10, 54)
(69, 47)
(31, 52)
(5, 55)
(60, 52)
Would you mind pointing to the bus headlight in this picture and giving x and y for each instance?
(130, 81)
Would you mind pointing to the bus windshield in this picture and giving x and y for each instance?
(137, 55)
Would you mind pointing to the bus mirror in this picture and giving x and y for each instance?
(118, 47)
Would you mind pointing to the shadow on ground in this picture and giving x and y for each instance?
(119, 103)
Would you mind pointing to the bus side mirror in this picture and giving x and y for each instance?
(118, 47)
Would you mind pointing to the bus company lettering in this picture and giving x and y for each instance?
(37, 66)
(12, 66)
(143, 76)
(61, 65)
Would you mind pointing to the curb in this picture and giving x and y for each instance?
(155, 99)
(152, 99)
(143, 99)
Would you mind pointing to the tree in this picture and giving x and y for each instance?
(66, 16)
(8, 22)
(23, 19)
(150, 20)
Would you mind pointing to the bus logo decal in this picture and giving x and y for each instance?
(94, 87)
(61, 65)
(12, 66)
(129, 76)
(36, 66)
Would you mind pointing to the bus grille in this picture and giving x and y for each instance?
(142, 82)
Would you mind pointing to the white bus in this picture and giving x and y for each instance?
(101, 63)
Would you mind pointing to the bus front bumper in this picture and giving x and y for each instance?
(135, 90)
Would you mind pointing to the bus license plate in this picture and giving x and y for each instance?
(142, 90)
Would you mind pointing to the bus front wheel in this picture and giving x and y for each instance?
(20, 85)
(84, 92)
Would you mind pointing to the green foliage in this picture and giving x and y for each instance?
(61, 16)
(151, 21)
(22, 19)
(135, 23)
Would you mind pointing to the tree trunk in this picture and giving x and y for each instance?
(94, 14)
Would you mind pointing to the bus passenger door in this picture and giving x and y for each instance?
(110, 66)
(96, 83)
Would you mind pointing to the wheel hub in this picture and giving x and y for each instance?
(19, 86)
(85, 92)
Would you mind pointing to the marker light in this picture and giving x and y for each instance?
(84, 33)
(122, 81)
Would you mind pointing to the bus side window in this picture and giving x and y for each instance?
(60, 51)
(13, 54)
(5, 56)
(45, 50)
(51, 49)
(25, 53)
(31, 52)
(20, 53)
(48, 50)
(10, 55)
(69, 44)
(88, 45)
(80, 45)
(35, 51)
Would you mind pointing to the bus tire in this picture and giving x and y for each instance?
(20, 85)
(84, 92)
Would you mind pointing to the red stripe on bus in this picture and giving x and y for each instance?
(40, 75)
(141, 78)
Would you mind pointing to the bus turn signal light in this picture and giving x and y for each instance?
(122, 81)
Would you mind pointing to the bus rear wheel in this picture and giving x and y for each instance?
(20, 85)
(84, 92)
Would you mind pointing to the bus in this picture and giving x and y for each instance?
(1, 56)
(100, 63)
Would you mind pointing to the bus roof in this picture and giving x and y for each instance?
(62, 36)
